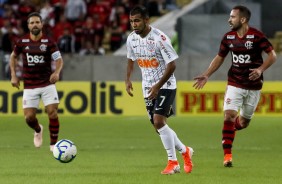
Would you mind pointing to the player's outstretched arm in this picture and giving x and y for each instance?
(13, 62)
(202, 79)
(128, 83)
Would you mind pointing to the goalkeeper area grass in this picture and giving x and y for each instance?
(127, 150)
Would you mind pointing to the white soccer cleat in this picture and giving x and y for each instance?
(37, 140)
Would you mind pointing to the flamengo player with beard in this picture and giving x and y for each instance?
(151, 49)
(37, 51)
(245, 76)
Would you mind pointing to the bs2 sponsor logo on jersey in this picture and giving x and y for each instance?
(241, 58)
(33, 59)
(148, 63)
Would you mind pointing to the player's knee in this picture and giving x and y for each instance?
(52, 113)
(30, 118)
(230, 116)
(245, 124)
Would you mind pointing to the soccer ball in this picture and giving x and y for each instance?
(64, 151)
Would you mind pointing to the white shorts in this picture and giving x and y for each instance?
(48, 94)
(242, 100)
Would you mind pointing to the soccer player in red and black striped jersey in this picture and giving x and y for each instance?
(38, 51)
(245, 76)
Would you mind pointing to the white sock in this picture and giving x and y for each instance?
(178, 144)
(166, 135)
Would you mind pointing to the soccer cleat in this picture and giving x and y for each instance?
(187, 157)
(51, 148)
(227, 162)
(171, 168)
(37, 140)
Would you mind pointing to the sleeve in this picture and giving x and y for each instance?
(130, 53)
(223, 48)
(167, 51)
(55, 53)
(265, 44)
(17, 49)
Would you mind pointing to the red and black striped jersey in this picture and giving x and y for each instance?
(37, 57)
(246, 54)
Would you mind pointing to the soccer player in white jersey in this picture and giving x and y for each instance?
(151, 49)
(245, 76)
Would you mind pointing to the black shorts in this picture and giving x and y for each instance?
(162, 105)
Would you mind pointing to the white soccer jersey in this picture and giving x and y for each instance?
(152, 53)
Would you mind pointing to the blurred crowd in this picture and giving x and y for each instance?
(85, 27)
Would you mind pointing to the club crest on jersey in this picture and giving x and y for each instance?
(249, 44)
(231, 37)
(43, 47)
(151, 46)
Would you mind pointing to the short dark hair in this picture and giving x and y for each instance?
(140, 10)
(244, 11)
(34, 14)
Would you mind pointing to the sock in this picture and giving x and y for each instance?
(238, 126)
(54, 130)
(33, 124)
(166, 135)
(178, 144)
(228, 135)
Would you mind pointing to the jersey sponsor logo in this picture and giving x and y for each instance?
(163, 37)
(250, 36)
(148, 63)
(145, 55)
(165, 50)
(231, 37)
(241, 58)
(249, 44)
(25, 40)
(33, 59)
(43, 47)
(44, 40)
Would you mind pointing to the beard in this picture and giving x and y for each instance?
(140, 31)
(35, 31)
(236, 27)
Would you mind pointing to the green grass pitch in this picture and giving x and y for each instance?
(126, 150)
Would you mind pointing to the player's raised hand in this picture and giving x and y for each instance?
(200, 81)
(54, 77)
(15, 82)
(129, 88)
